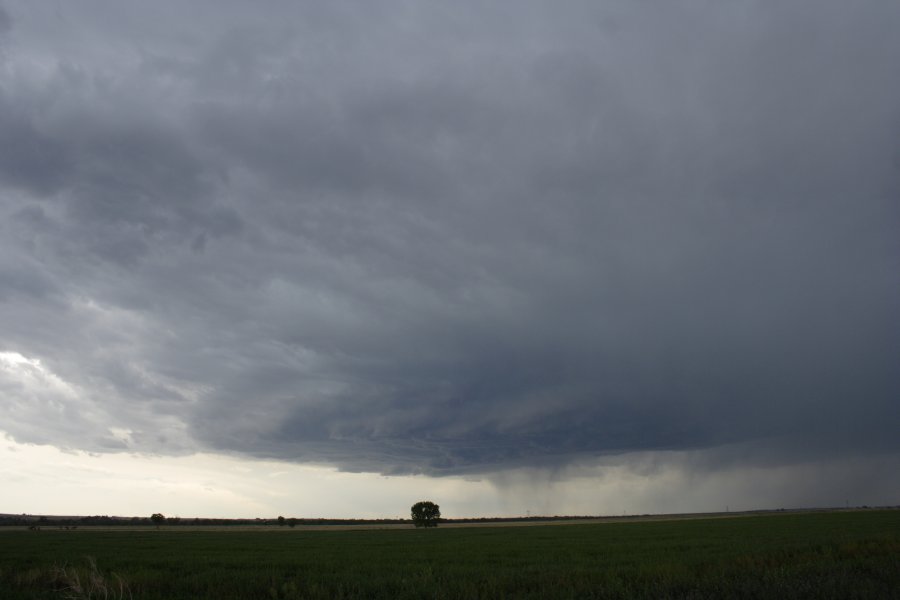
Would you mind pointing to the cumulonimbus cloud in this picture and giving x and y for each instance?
(422, 240)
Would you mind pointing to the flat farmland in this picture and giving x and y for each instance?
(843, 554)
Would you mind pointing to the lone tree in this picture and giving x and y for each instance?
(426, 514)
(158, 519)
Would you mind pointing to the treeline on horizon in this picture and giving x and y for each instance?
(114, 521)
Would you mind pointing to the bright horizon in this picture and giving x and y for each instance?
(208, 486)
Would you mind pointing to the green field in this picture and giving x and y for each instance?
(794, 555)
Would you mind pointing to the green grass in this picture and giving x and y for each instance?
(817, 555)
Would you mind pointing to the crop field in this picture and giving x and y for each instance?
(844, 554)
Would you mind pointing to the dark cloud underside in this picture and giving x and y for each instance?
(421, 238)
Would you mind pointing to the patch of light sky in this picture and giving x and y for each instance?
(36, 477)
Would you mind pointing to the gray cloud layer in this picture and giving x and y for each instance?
(416, 237)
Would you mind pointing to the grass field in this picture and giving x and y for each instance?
(815, 555)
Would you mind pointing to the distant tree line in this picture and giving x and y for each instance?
(26, 520)
(110, 521)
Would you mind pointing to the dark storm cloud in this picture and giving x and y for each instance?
(422, 239)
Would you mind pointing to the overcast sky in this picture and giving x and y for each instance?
(609, 250)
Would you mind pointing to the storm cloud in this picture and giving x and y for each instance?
(416, 237)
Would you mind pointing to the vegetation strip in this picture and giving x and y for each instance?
(839, 555)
